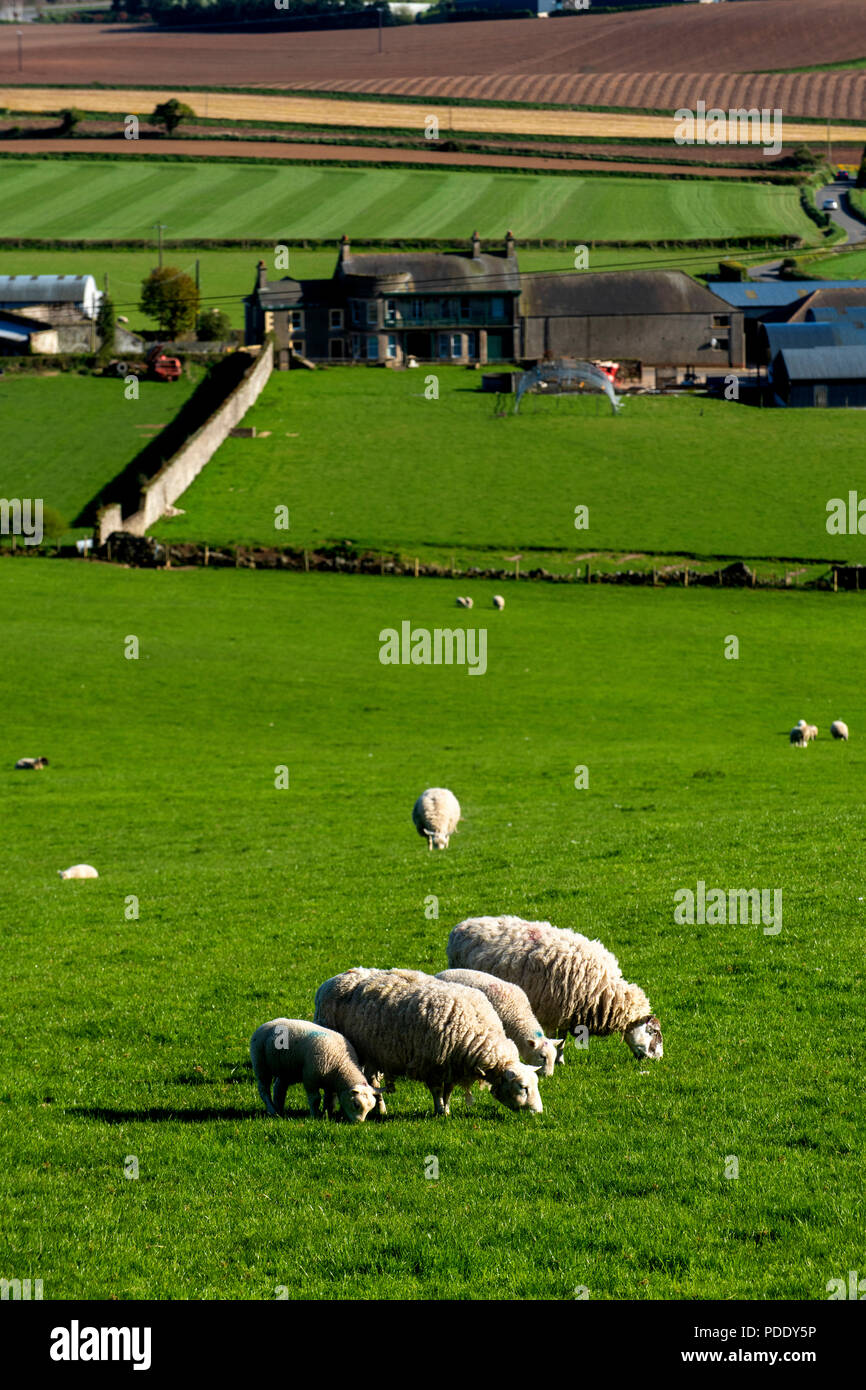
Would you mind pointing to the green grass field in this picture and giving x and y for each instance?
(66, 436)
(114, 199)
(359, 454)
(126, 1037)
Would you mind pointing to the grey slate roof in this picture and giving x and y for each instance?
(604, 293)
(825, 363)
(824, 305)
(420, 272)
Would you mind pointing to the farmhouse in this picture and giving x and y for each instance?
(479, 308)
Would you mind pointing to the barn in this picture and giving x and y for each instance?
(820, 376)
(53, 298)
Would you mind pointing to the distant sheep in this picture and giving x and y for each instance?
(291, 1050)
(810, 732)
(436, 814)
(405, 1023)
(798, 733)
(79, 871)
(515, 1011)
(31, 764)
(839, 729)
(498, 601)
(570, 981)
(464, 603)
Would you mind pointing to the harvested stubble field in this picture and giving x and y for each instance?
(122, 198)
(249, 897)
(386, 115)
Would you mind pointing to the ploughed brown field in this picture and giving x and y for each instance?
(665, 58)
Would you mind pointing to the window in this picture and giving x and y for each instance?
(335, 318)
(390, 311)
(392, 346)
(372, 311)
(300, 347)
(296, 319)
(454, 310)
(444, 344)
(722, 344)
(372, 348)
(472, 344)
(417, 310)
(497, 307)
(465, 309)
(721, 320)
(456, 345)
(357, 317)
(356, 345)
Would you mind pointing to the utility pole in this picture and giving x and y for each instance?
(197, 291)
(20, 51)
(160, 228)
(380, 28)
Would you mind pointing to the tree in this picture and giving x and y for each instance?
(214, 326)
(171, 113)
(861, 172)
(170, 297)
(105, 326)
(69, 119)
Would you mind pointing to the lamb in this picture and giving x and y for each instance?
(498, 601)
(810, 732)
(31, 764)
(405, 1023)
(435, 814)
(464, 603)
(798, 733)
(289, 1050)
(515, 1011)
(570, 981)
(839, 729)
(79, 871)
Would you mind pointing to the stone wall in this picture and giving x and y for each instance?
(180, 470)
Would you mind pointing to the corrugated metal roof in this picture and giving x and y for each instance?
(825, 363)
(775, 294)
(801, 335)
(46, 289)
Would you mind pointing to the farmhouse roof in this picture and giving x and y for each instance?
(429, 272)
(825, 363)
(826, 305)
(605, 293)
(46, 289)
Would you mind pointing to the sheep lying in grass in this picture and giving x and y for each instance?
(79, 871)
(405, 1023)
(31, 764)
(839, 729)
(570, 981)
(515, 1011)
(291, 1050)
(435, 814)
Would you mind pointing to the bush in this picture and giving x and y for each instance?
(733, 270)
(69, 119)
(171, 113)
(214, 326)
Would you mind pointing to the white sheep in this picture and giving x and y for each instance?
(798, 733)
(570, 981)
(436, 814)
(79, 871)
(515, 1011)
(31, 764)
(464, 603)
(498, 601)
(810, 732)
(839, 729)
(405, 1023)
(291, 1050)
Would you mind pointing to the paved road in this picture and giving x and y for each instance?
(854, 229)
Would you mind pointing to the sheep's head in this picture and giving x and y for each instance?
(437, 839)
(542, 1052)
(517, 1087)
(357, 1102)
(645, 1038)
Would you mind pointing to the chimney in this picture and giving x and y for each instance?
(262, 275)
(476, 245)
(509, 244)
(345, 249)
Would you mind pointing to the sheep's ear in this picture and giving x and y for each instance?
(532, 1068)
(557, 1041)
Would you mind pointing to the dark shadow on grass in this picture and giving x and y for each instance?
(154, 1114)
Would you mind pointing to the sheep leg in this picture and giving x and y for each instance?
(313, 1102)
(328, 1099)
(446, 1097)
(281, 1085)
(265, 1093)
(438, 1101)
(470, 1099)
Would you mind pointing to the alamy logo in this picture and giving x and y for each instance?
(847, 520)
(76, 1343)
(21, 1289)
(443, 646)
(714, 907)
(22, 518)
(737, 126)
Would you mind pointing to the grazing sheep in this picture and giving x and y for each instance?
(435, 814)
(570, 981)
(810, 732)
(515, 1011)
(404, 1023)
(289, 1050)
(464, 603)
(839, 729)
(798, 733)
(79, 871)
(31, 764)
(498, 601)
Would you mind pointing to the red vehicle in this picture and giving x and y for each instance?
(162, 367)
